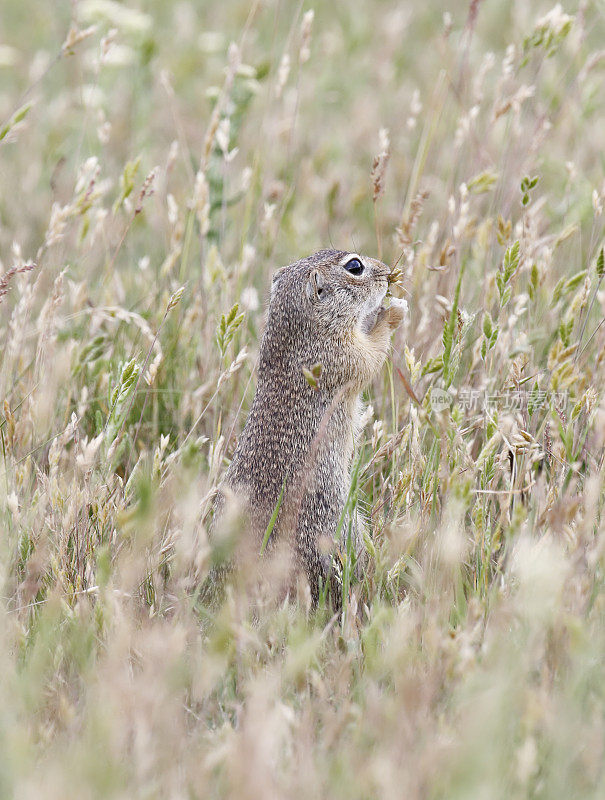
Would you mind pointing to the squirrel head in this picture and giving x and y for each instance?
(328, 309)
(335, 292)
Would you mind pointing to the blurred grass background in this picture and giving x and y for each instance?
(158, 162)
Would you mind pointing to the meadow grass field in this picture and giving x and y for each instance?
(158, 161)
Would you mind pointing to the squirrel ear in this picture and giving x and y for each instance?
(278, 273)
(315, 285)
(275, 279)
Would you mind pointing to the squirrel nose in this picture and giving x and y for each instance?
(380, 270)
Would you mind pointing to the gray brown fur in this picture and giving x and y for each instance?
(302, 437)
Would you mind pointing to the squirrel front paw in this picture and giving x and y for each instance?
(396, 311)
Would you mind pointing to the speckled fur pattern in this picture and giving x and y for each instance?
(302, 437)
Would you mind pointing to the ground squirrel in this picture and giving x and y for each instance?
(298, 441)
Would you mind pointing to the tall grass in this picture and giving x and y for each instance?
(159, 162)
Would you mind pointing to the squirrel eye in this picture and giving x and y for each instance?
(354, 266)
